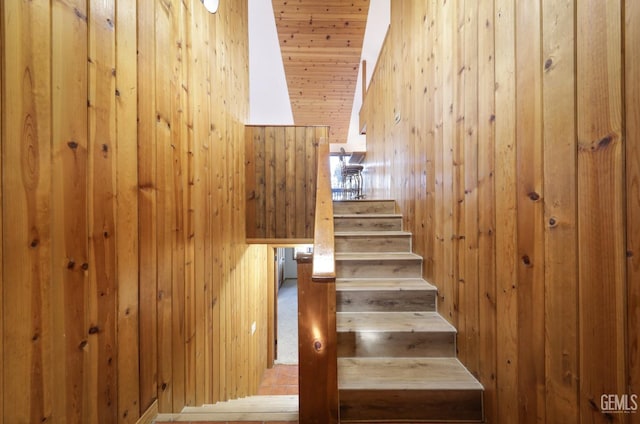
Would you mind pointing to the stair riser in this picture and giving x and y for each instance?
(369, 206)
(396, 344)
(414, 405)
(373, 244)
(367, 224)
(386, 301)
(368, 269)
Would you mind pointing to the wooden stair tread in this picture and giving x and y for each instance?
(383, 284)
(393, 321)
(364, 205)
(252, 408)
(372, 233)
(376, 256)
(367, 215)
(368, 200)
(270, 403)
(404, 374)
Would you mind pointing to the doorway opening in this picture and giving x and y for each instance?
(282, 326)
(287, 307)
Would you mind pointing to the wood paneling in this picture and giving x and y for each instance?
(280, 175)
(526, 113)
(132, 288)
(26, 186)
(505, 208)
(146, 206)
(203, 280)
(69, 227)
(487, 220)
(560, 215)
(530, 226)
(601, 232)
(102, 209)
(632, 125)
(321, 45)
(2, 138)
(127, 224)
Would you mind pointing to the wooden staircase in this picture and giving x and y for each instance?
(396, 355)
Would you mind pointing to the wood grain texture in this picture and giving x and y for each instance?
(61, 192)
(321, 57)
(438, 236)
(317, 346)
(537, 338)
(127, 225)
(26, 188)
(165, 47)
(632, 128)
(311, 164)
(487, 220)
(449, 295)
(2, 144)
(178, 190)
(301, 183)
(601, 235)
(324, 264)
(530, 227)
(70, 259)
(560, 215)
(123, 209)
(280, 210)
(102, 212)
(427, 149)
(289, 181)
(198, 335)
(191, 105)
(280, 189)
(506, 203)
(469, 285)
(147, 200)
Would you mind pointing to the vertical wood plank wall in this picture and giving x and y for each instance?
(508, 133)
(632, 158)
(125, 276)
(280, 191)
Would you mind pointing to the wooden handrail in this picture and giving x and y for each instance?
(324, 265)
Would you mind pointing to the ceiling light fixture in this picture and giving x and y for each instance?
(211, 5)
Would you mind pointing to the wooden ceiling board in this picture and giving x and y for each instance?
(321, 44)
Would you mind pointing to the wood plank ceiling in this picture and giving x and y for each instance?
(321, 43)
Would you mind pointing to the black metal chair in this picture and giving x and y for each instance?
(351, 174)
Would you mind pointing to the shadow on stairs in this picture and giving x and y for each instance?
(396, 354)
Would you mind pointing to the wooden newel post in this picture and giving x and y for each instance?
(317, 351)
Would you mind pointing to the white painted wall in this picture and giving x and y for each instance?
(268, 93)
(378, 22)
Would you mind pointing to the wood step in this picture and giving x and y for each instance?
(385, 294)
(281, 408)
(394, 334)
(366, 206)
(417, 389)
(370, 264)
(362, 222)
(372, 241)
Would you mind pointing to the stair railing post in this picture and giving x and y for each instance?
(317, 338)
(317, 350)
